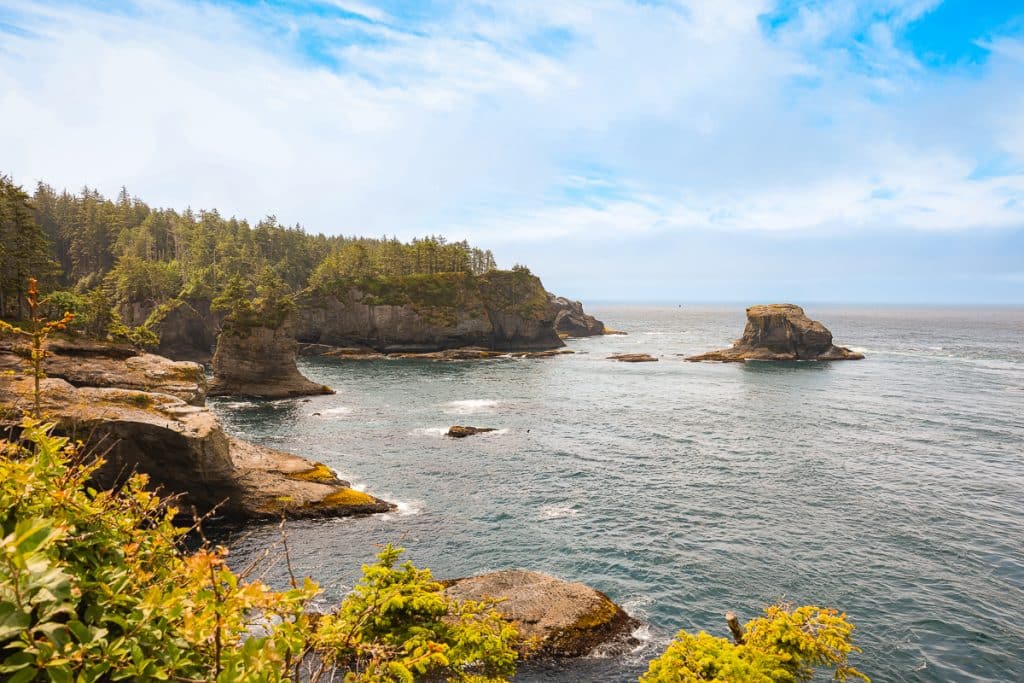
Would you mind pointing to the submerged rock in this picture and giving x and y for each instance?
(571, 321)
(183, 450)
(85, 363)
(258, 360)
(555, 618)
(460, 432)
(781, 332)
(633, 358)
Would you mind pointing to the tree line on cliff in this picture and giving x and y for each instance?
(98, 254)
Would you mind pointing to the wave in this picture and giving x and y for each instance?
(340, 410)
(430, 431)
(558, 511)
(472, 405)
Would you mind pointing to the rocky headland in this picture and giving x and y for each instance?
(257, 359)
(555, 618)
(144, 413)
(781, 332)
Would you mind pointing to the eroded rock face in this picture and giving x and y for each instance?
(503, 310)
(184, 451)
(571, 320)
(85, 363)
(259, 361)
(187, 330)
(555, 618)
(781, 332)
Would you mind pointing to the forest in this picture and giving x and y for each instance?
(96, 255)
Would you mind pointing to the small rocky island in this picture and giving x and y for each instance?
(780, 332)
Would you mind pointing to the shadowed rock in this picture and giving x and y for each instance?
(781, 332)
(555, 618)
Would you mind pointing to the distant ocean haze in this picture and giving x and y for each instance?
(889, 488)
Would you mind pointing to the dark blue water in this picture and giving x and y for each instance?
(891, 488)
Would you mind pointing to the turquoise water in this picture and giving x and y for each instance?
(892, 488)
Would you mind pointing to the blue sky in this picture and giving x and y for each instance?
(736, 150)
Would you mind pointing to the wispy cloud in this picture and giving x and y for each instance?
(482, 117)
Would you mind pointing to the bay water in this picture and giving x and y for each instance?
(891, 488)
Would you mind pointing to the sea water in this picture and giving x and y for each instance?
(891, 488)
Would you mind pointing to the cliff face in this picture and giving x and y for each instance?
(187, 329)
(183, 450)
(781, 332)
(259, 361)
(502, 310)
(572, 321)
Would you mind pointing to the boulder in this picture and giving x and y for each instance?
(85, 363)
(781, 332)
(460, 432)
(633, 358)
(555, 618)
(258, 360)
(184, 451)
(571, 321)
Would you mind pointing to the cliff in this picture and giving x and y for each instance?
(781, 332)
(500, 310)
(184, 451)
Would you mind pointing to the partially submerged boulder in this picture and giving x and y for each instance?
(258, 360)
(555, 618)
(633, 357)
(461, 432)
(781, 332)
(183, 450)
(572, 321)
(85, 363)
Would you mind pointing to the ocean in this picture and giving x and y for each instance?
(891, 488)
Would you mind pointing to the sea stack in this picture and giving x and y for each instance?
(780, 332)
(258, 360)
(572, 321)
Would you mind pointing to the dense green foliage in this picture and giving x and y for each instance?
(113, 262)
(784, 646)
(94, 586)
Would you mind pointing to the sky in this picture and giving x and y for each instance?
(658, 150)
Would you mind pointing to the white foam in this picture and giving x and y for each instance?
(557, 511)
(430, 431)
(473, 405)
(340, 410)
(238, 404)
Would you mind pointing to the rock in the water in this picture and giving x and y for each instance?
(555, 618)
(572, 321)
(183, 450)
(259, 361)
(781, 332)
(460, 432)
(633, 357)
(85, 363)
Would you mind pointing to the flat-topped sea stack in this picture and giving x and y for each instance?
(781, 332)
(184, 451)
(555, 618)
(258, 360)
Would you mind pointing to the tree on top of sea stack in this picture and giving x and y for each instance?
(256, 348)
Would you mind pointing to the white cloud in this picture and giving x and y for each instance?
(697, 118)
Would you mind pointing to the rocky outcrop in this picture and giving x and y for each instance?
(633, 358)
(258, 360)
(85, 363)
(781, 332)
(554, 617)
(461, 432)
(498, 311)
(571, 321)
(183, 450)
(187, 329)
